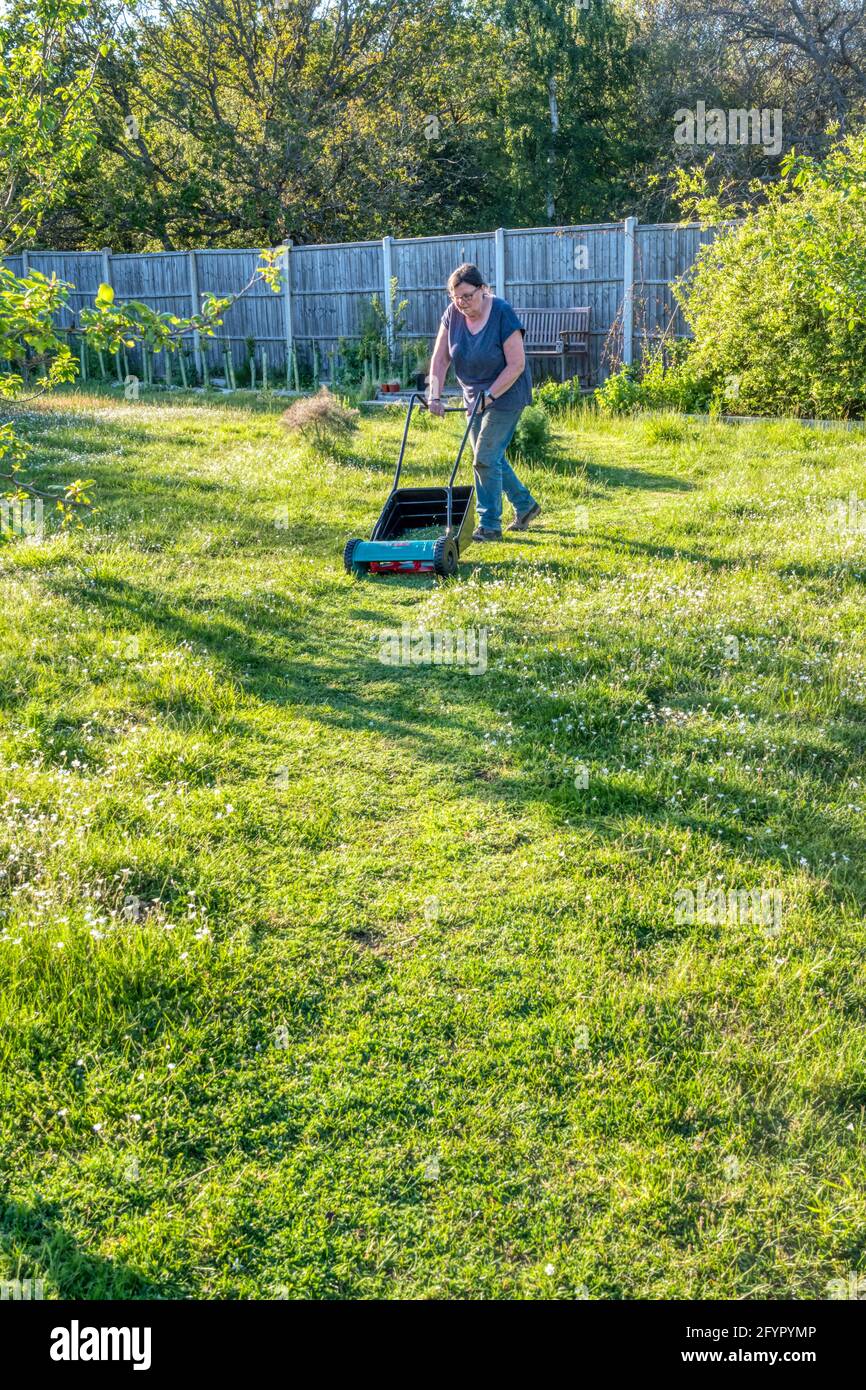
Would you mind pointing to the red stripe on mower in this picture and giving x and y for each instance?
(400, 567)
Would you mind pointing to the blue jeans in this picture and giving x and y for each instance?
(491, 434)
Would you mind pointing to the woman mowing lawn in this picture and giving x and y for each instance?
(483, 337)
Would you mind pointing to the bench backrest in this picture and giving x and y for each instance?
(544, 326)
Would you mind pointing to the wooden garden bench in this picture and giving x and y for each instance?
(558, 333)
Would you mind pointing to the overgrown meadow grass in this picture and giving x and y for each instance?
(323, 978)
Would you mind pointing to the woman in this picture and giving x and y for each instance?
(483, 337)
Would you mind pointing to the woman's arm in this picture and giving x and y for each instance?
(439, 364)
(515, 361)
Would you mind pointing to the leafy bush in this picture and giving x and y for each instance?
(322, 421)
(620, 392)
(677, 385)
(558, 396)
(777, 304)
(653, 385)
(532, 438)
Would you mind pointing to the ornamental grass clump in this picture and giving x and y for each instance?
(322, 421)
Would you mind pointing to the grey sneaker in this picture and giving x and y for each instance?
(521, 523)
(482, 534)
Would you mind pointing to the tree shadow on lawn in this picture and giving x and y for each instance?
(611, 476)
(40, 426)
(795, 569)
(280, 659)
(173, 508)
(45, 1250)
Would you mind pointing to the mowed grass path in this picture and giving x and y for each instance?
(321, 978)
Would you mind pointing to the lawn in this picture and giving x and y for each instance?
(325, 978)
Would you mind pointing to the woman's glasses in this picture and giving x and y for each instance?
(465, 298)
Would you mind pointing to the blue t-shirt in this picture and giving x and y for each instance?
(478, 358)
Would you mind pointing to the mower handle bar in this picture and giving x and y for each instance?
(447, 409)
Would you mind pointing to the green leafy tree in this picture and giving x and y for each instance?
(246, 124)
(558, 94)
(251, 122)
(46, 122)
(46, 111)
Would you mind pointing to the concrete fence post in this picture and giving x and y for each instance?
(288, 324)
(388, 301)
(499, 261)
(195, 301)
(629, 229)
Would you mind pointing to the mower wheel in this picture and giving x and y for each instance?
(445, 557)
(352, 568)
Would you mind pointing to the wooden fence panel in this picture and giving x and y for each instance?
(564, 268)
(663, 253)
(330, 287)
(331, 290)
(422, 266)
(80, 269)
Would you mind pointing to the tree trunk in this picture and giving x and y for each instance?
(551, 158)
